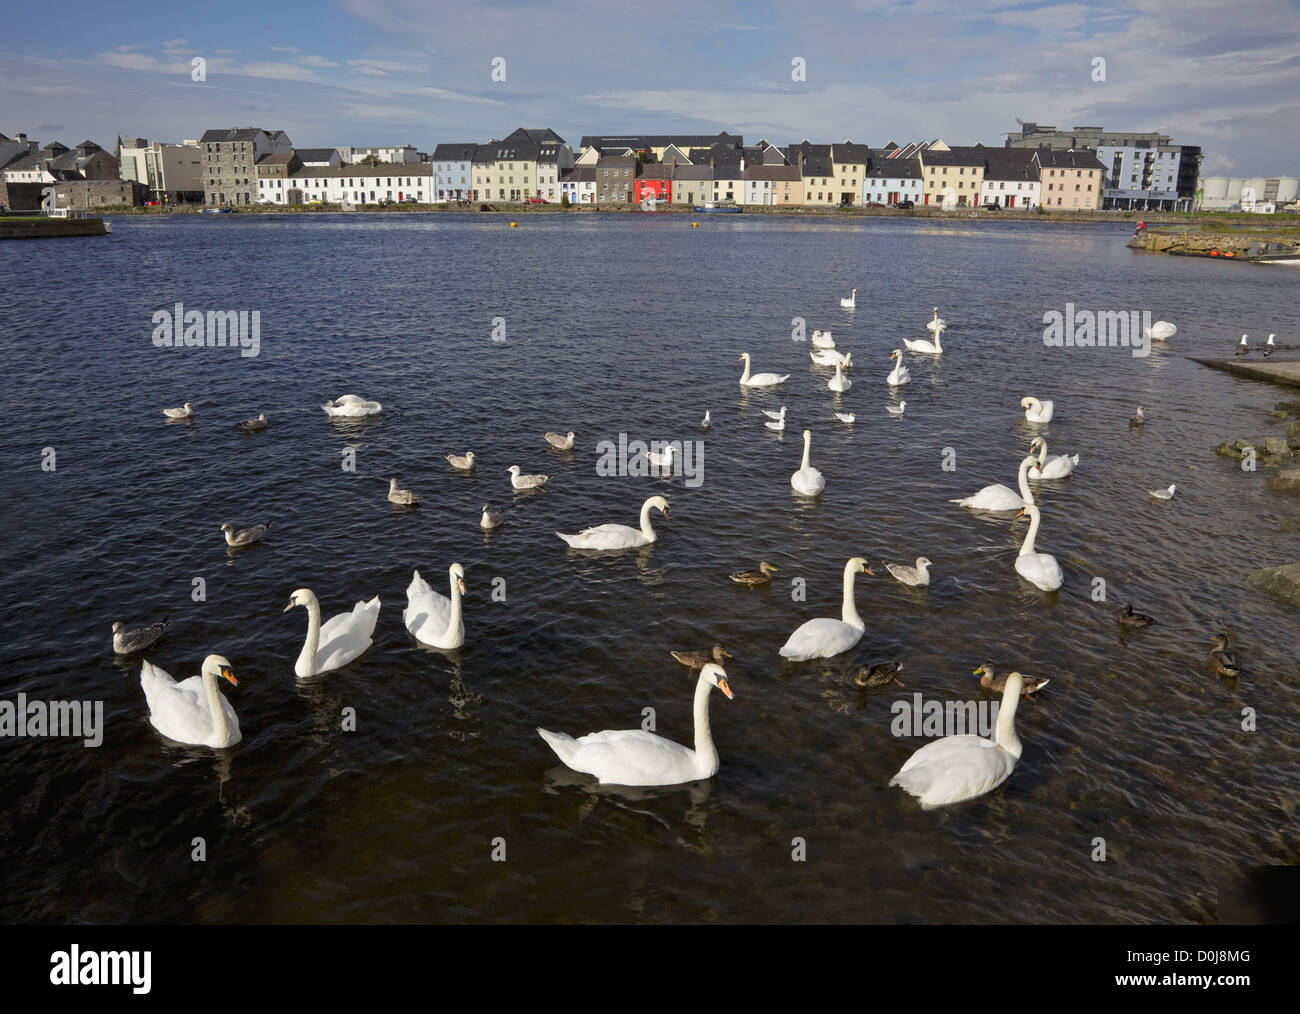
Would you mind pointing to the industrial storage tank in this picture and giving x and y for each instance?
(1288, 190)
(1215, 187)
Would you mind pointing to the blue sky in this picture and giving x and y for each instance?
(1225, 76)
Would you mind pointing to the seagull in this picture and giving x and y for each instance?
(1163, 494)
(664, 460)
(526, 481)
(845, 417)
(1241, 347)
(492, 518)
(253, 425)
(778, 426)
(706, 422)
(914, 576)
(462, 463)
(560, 443)
(128, 642)
(1269, 346)
(779, 416)
(896, 409)
(186, 412)
(402, 497)
(244, 536)
(1139, 419)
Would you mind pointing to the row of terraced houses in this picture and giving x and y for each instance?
(1079, 170)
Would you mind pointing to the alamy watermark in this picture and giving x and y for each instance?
(82, 720)
(182, 328)
(656, 458)
(919, 717)
(1126, 329)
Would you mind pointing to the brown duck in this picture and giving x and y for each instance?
(991, 680)
(879, 675)
(754, 578)
(1222, 661)
(699, 659)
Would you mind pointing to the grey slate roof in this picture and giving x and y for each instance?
(457, 151)
(316, 154)
(1069, 159)
(850, 152)
(682, 141)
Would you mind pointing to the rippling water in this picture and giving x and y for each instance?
(632, 324)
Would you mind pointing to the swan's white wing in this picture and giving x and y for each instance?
(346, 636)
(820, 638)
(1040, 569)
(626, 757)
(996, 497)
(427, 612)
(954, 769)
(180, 710)
(606, 537)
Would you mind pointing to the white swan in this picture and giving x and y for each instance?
(620, 536)
(851, 302)
(829, 357)
(899, 375)
(192, 711)
(339, 641)
(759, 379)
(1161, 331)
(822, 340)
(957, 768)
(1036, 411)
(807, 480)
(185, 412)
(937, 323)
(778, 416)
(349, 406)
(1056, 467)
(839, 383)
(1039, 569)
(914, 576)
(637, 757)
(924, 347)
(998, 497)
(434, 619)
(824, 637)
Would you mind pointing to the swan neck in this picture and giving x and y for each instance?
(646, 528)
(745, 376)
(706, 754)
(220, 725)
(453, 623)
(807, 451)
(849, 611)
(1006, 734)
(1028, 546)
(1022, 479)
(307, 657)
(1042, 452)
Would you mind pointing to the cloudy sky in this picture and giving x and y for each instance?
(331, 72)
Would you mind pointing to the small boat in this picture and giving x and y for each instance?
(716, 208)
(223, 210)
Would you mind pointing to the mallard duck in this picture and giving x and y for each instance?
(1132, 619)
(879, 675)
(1222, 661)
(244, 536)
(401, 497)
(991, 680)
(701, 657)
(253, 425)
(754, 578)
(461, 462)
(1139, 419)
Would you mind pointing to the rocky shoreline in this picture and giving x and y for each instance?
(1253, 244)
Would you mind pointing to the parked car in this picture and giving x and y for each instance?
(536, 200)
(990, 207)
(409, 200)
(873, 204)
(905, 205)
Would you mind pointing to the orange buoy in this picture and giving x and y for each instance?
(1229, 253)
(695, 225)
(1214, 252)
(513, 224)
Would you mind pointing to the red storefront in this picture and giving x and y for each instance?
(661, 190)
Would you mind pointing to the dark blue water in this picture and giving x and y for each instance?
(627, 324)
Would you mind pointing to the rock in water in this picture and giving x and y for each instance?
(1282, 582)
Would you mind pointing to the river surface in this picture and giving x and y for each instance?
(632, 325)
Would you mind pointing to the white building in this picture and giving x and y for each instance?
(352, 154)
(579, 185)
(1229, 193)
(1142, 176)
(453, 171)
(353, 184)
(890, 180)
